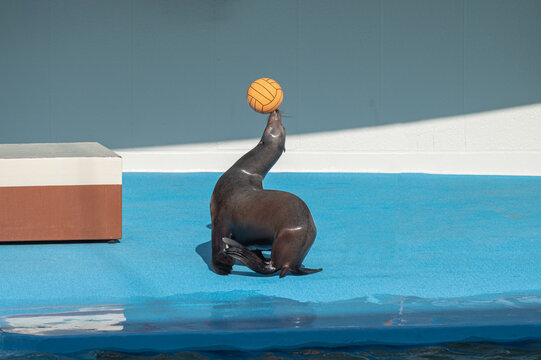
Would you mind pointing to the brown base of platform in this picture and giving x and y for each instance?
(56, 213)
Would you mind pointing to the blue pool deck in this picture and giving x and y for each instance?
(407, 259)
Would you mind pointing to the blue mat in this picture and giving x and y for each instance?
(406, 258)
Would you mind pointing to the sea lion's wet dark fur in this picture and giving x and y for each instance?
(245, 216)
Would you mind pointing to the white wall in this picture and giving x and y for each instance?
(499, 142)
(444, 86)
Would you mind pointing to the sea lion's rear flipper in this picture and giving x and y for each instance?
(299, 271)
(247, 257)
(304, 271)
(260, 255)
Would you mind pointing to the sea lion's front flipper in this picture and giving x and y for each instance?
(247, 257)
(304, 271)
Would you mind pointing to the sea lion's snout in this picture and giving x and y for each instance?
(274, 132)
(276, 115)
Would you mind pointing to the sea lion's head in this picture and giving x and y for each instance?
(275, 133)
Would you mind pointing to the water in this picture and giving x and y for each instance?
(245, 322)
(454, 351)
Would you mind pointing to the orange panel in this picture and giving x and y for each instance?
(78, 212)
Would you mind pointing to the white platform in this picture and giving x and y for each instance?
(59, 164)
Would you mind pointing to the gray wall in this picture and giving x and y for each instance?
(134, 73)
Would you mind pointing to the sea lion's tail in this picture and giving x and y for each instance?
(248, 258)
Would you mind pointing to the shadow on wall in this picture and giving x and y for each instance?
(138, 73)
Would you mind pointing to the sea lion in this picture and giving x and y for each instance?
(246, 217)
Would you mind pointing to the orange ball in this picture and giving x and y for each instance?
(264, 95)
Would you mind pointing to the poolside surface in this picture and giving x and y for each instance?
(406, 258)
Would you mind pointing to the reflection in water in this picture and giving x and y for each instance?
(451, 351)
(95, 319)
(259, 312)
(207, 312)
